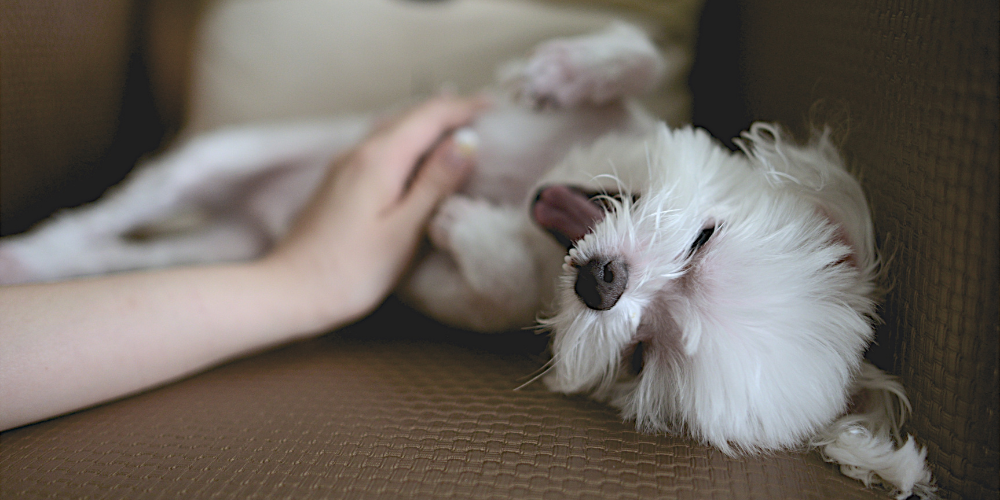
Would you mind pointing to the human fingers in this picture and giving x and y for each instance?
(444, 171)
(415, 134)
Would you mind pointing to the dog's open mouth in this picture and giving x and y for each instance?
(568, 213)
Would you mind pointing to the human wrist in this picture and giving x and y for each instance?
(305, 291)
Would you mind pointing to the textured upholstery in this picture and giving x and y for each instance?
(77, 109)
(914, 86)
(399, 407)
(60, 114)
(396, 407)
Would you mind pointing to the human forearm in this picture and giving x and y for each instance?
(65, 346)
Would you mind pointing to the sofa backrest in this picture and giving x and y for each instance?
(911, 89)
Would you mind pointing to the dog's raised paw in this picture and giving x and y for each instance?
(595, 69)
(551, 79)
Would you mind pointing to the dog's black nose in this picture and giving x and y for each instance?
(601, 282)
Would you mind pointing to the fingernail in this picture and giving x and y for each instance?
(462, 148)
(466, 142)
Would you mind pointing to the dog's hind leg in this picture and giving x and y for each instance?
(195, 181)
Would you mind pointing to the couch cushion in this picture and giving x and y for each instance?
(394, 407)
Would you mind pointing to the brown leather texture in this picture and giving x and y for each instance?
(399, 407)
(912, 87)
(395, 407)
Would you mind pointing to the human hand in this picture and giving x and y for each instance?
(356, 237)
(71, 344)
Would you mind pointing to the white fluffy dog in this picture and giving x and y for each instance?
(727, 295)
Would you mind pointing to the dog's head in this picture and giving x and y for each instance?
(728, 294)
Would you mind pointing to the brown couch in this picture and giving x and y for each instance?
(399, 407)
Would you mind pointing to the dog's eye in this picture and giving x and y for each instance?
(702, 238)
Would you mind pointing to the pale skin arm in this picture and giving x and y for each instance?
(66, 346)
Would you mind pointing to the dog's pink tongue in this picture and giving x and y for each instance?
(566, 212)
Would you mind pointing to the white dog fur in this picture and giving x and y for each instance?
(738, 294)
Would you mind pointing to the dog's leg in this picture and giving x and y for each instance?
(222, 240)
(194, 181)
(483, 272)
(600, 68)
(867, 442)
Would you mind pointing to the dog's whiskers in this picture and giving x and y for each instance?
(538, 374)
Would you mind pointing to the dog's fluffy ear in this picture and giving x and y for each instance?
(867, 442)
(816, 172)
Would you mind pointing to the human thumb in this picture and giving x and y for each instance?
(444, 171)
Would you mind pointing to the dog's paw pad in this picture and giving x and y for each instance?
(595, 69)
(556, 76)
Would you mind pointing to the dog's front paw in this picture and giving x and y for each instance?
(448, 216)
(473, 230)
(595, 69)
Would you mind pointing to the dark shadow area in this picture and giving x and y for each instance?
(394, 320)
(139, 132)
(716, 78)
